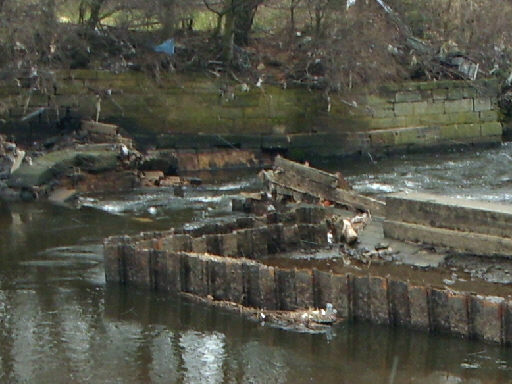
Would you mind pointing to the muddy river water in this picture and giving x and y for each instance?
(60, 322)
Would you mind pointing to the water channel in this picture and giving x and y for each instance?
(60, 322)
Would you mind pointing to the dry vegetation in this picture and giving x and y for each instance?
(327, 44)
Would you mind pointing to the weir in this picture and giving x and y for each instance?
(283, 260)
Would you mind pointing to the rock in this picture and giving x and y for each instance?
(348, 233)
(61, 195)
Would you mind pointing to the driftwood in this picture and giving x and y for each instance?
(295, 179)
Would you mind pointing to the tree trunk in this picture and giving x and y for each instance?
(228, 36)
(244, 10)
(95, 8)
(168, 17)
(218, 26)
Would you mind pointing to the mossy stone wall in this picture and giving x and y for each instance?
(198, 111)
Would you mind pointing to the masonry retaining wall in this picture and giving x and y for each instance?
(200, 113)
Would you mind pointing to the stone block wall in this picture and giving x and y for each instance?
(200, 113)
(434, 113)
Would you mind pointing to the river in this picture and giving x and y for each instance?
(60, 322)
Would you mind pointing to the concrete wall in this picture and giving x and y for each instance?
(475, 227)
(197, 112)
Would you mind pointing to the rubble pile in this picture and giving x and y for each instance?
(11, 157)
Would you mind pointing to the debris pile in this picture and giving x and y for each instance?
(11, 157)
(305, 320)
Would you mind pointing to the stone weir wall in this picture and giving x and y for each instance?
(177, 262)
(200, 113)
(474, 227)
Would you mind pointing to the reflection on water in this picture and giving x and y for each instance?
(60, 323)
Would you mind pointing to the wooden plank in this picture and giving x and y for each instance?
(307, 172)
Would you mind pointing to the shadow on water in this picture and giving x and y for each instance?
(352, 353)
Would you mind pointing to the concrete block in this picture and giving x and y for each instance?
(474, 243)
(267, 284)
(379, 300)
(228, 245)
(491, 129)
(482, 104)
(341, 295)
(455, 93)
(304, 289)
(274, 241)
(418, 306)
(158, 270)
(463, 132)
(112, 260)
(390, 122)
(458, 305)
(411, 108)
(177, 243)
(488, 116)
(312, 236)
(259, 241)
(451, 213)
(383, 138)
(291, 238)
(361, 297)
(399, 310)
(323, 292)
(195, 275)
(235, 281)
(427, 85)
(462, 118)
(383, 111)
(507, 322)
(244, 222)
(440, 94)
(462, 105)
(439, 310)
(171, 278)
(417, 135)
(252, 285)
(213, 244)
(136, 262)
(435, 108)
(244, 242)
(199, 245)
(217, 279)
(286, 294)
(407, 96)
(487, 318)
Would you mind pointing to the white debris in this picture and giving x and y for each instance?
(348, 232)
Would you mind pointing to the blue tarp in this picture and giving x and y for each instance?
(166, 47)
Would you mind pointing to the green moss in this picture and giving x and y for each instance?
(491, 129)
(460, 131)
